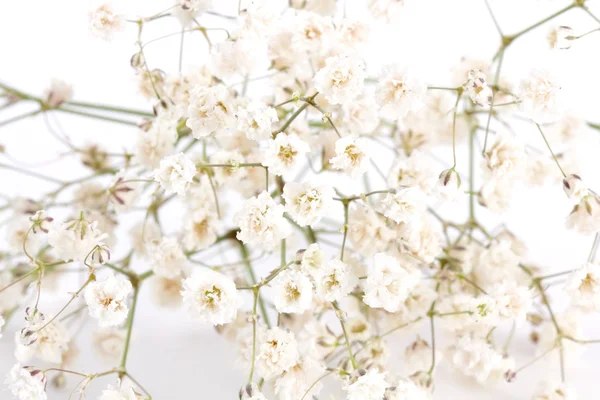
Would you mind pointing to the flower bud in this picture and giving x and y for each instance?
(561, 37)
(448, 185)
(574, 188)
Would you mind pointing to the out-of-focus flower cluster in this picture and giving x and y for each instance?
(322, 175)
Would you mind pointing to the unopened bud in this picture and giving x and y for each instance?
(575, 188)
(561, 37)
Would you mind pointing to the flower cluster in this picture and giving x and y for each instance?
(310, 205)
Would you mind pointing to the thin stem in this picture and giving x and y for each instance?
(181, 42)
(454, 128)
(253, 281)
(543, 21)
(521, 368)
(96, 116)
(489, 119)
(551, 152)
(487, 5)
(340, 317)
(255, 292)
(33, 271)
(129, 326)
(431, 319)
(19, 117)
(594, 249)
(345, 228)
(110, 108)
(325, 375)
(587, 10)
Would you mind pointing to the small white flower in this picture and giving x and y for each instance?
(561, 37)
(337, 280)
(511, 300)
(583, 287)
(386, 10)
(478, 89)
(284, 153)
(261, 222)
(300, 380)
(541, 97)
(105, 21)
(167, 258)
(585, 216)
(125, 392)
(312, 261)
(405, 205)
(27, 383)
(360, 116)
(341, 79)
(277, 352)
(575, 188)
(211, 297)
(477, 358)
(370, 385)
(175, 173)
(417, 357)
(407, 390)
(158, 141)
(75, 240)
(200, 229)
(48, 344)
(211, 110)
(292, 292)
(495, 194)
(109, 343)
(256, 120)
(351, 155)
(107, 300)
(388, 284)
(498, 264)
(505, 158)
(399, 92)
(307, 203)
(166, 292)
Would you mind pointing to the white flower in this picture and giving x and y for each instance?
(323, 7)
(211, 297)
(186, 10)
(554, 391)
(341, 79)
(284, 153)
(261, 222)
(167, 258)
(388, 284)
(123, 393)
(399, 92)
(48, 344)
(239, 57)
(417, 357)
(292, 292)
(505, 158)
(75, 239)
(585, 216)
(477, 358)
(407, 390)
(495, 194)
(368, 231)
(370, 385)
(387, 10)
(27, 383)
(561, 37)
(583, 286)
(351, 155)
(478, 89)
(498, 263)
(299, 380)
(166, 292)
(277, 352)
(512, 301)
(251, 392)
(575, 188)
(200, 229)
(256, 120)
(541, 97)
(211, 110)
(104, 21)
(306, 202)
(228, 175)
(107, 300)
(109, 343)
(360, 115)
(337, 280)
(405, 205)
(312, 261)
(158, 141)
(175, 174)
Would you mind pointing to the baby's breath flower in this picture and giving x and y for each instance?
(107, 300)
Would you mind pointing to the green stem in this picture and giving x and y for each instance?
(96, 116)
(129, 326)
(551, 152)
(105, 107)
(19, 117)
(543, 21)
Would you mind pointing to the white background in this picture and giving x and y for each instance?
(176, 358)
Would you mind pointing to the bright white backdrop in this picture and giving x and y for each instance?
(177, 358)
